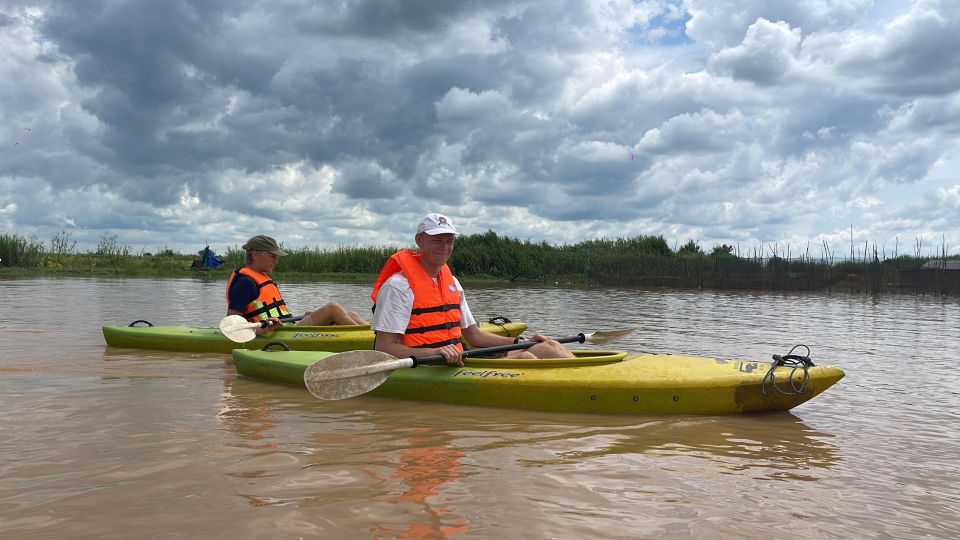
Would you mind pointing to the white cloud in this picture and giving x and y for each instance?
(766, 56)
(703, 131)
(339, 123)
(722, 23)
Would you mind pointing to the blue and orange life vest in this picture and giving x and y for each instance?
(268, 302)
(435, 317)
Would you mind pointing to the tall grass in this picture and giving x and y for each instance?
(18, 251)
(340, 260)
(109, 257)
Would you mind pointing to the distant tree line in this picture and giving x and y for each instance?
(636, 261)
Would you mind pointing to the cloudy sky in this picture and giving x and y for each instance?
(179, 123)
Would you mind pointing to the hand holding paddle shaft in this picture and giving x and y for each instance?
(596, 338)
(353, 373)
(240, 330)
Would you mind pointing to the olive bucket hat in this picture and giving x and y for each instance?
(264, 243)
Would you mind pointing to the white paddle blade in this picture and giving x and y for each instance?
(238, 329)
(351, 373)
(606, 336)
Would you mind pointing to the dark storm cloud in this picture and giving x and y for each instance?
(133, 53)
(151, 68)
(387, 19)
(365, 181)
(154, 69)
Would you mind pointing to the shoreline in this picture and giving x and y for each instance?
(576, 282)
(218, 275)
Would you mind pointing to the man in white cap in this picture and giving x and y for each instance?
(420, 308)
(252, 293)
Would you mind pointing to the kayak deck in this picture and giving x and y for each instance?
(597, 382)
(309, 338)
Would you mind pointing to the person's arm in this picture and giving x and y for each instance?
(472, 332)
(390, 344)
(478, 337)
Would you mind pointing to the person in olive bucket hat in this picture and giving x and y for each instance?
(252, 293)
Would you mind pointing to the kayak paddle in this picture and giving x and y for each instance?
(240, 330)
(352, 373)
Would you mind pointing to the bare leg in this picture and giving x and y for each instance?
(520, 354)
(550, 349)
(329, 313)
(357, 319)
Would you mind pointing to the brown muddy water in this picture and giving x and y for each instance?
(118, 443)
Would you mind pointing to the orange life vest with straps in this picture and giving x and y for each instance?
(435, 317)
(268, 302)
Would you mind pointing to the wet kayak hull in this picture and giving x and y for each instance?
(597, 382)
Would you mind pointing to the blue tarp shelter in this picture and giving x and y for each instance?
(210, 259)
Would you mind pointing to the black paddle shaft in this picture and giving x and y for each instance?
(264, 324)
(486, 351)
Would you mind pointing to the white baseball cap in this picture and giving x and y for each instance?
(436, 224)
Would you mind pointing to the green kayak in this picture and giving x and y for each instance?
(609, 382)
(303, 338)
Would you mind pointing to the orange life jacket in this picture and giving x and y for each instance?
(268, 302)
(435, 317)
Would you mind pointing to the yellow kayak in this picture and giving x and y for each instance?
(609, 382)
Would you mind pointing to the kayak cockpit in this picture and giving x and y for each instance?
(581, 358)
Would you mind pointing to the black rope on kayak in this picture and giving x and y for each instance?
(268, 347)
(500, 321)
(134, 323)
(796, 362)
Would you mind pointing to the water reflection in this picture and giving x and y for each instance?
(249, 416)
(427, 464)
(778, 446)
(408, 471)
(406, 468)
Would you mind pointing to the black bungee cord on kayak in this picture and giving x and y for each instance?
(796, 362)
(500, 321)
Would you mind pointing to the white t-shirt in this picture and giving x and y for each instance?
(395, 302)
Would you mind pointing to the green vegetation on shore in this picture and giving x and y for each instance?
(484, 256)
(640, 261)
